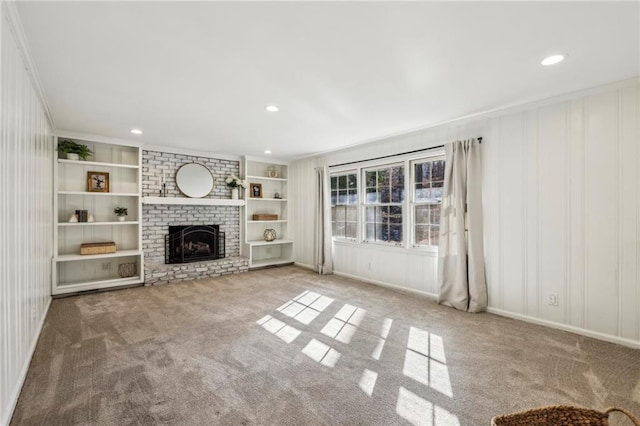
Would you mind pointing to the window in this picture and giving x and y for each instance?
(384, 196)
(344, 205)
(428, 182)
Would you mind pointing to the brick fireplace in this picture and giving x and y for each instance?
(157, 218)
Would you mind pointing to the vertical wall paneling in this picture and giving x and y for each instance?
(601, 203)
(561, 205)
(552, 147)
(628, 208)
(576, 247)
(532, 224)
(26, 161)
(511, 217)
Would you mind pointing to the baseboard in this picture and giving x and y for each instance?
(387, 285)
(576, 330)
(13, 399)
(303, 265)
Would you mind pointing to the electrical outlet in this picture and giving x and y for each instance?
(553, 299)
(106, 266)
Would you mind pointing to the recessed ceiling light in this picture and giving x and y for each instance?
(136, 131)
(271, 108)
(267, 152)
(553, 59)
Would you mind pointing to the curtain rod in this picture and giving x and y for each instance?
(394, 155)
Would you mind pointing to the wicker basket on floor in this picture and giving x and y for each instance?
(560, 415)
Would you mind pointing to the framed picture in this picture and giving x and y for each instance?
(98, 181)
(256, 190)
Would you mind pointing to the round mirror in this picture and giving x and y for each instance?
(194, 180)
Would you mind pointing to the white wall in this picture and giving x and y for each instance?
(26, 152)
(561, 209)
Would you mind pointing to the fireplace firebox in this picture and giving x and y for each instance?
(194, 243)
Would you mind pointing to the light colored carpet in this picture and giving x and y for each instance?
(238, 350)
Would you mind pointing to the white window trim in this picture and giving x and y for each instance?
(406, 160)
(414, 203)
(346, 172)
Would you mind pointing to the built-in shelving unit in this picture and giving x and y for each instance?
(72, 271)
(263, 253)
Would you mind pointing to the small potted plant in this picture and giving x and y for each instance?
(234, 182)
(73, 150)
(121, 212)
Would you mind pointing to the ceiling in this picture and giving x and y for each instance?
(198, 75)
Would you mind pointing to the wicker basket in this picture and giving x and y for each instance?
(560, 415)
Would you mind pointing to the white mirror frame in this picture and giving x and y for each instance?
(194, 180)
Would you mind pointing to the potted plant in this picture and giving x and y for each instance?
(234, 182)
(73, 150)
(121, 212)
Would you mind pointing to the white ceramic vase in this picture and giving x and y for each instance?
(234, 193)
(121, 218)
(72, 156)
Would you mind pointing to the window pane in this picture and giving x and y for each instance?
(422, 194)
(395, 233)
(382, 214)
(333, 214)
(352, 181)
(397, 194)
(351, 214)
(435, 214)
(438, 170)
(340, 214)
(340, 230)
(422, 235)
(434, 234)
(383, 177)
(352, 197)
(397, 176)
(422, 215)
(382, 232)
(334, 198)
(383, 195)
(342, 196)
(342, 182)
(372, 196)
(334, 182)
(395, 214)
(334, 228)
(370, 178)
(370, 234)
(350, 231)
(370, 214)
(422, 174)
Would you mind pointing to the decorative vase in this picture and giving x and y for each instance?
(126, 270)
(234, 193)
(121, 218)
(269, 234)
(72, 156)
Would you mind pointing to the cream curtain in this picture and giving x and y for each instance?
(323, 263)
(461, 275)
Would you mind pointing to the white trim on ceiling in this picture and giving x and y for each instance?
(515, 107)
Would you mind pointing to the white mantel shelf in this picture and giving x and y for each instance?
(192, 201)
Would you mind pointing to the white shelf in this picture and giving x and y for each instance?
(267, 221)
(269, 243)
(72, 287)
(192, 201)
(119, 253)
(71, 271)
(270, 262)
(111, 194)
(97, 163)
(266, 178)
(98, 223)
(267, 199)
